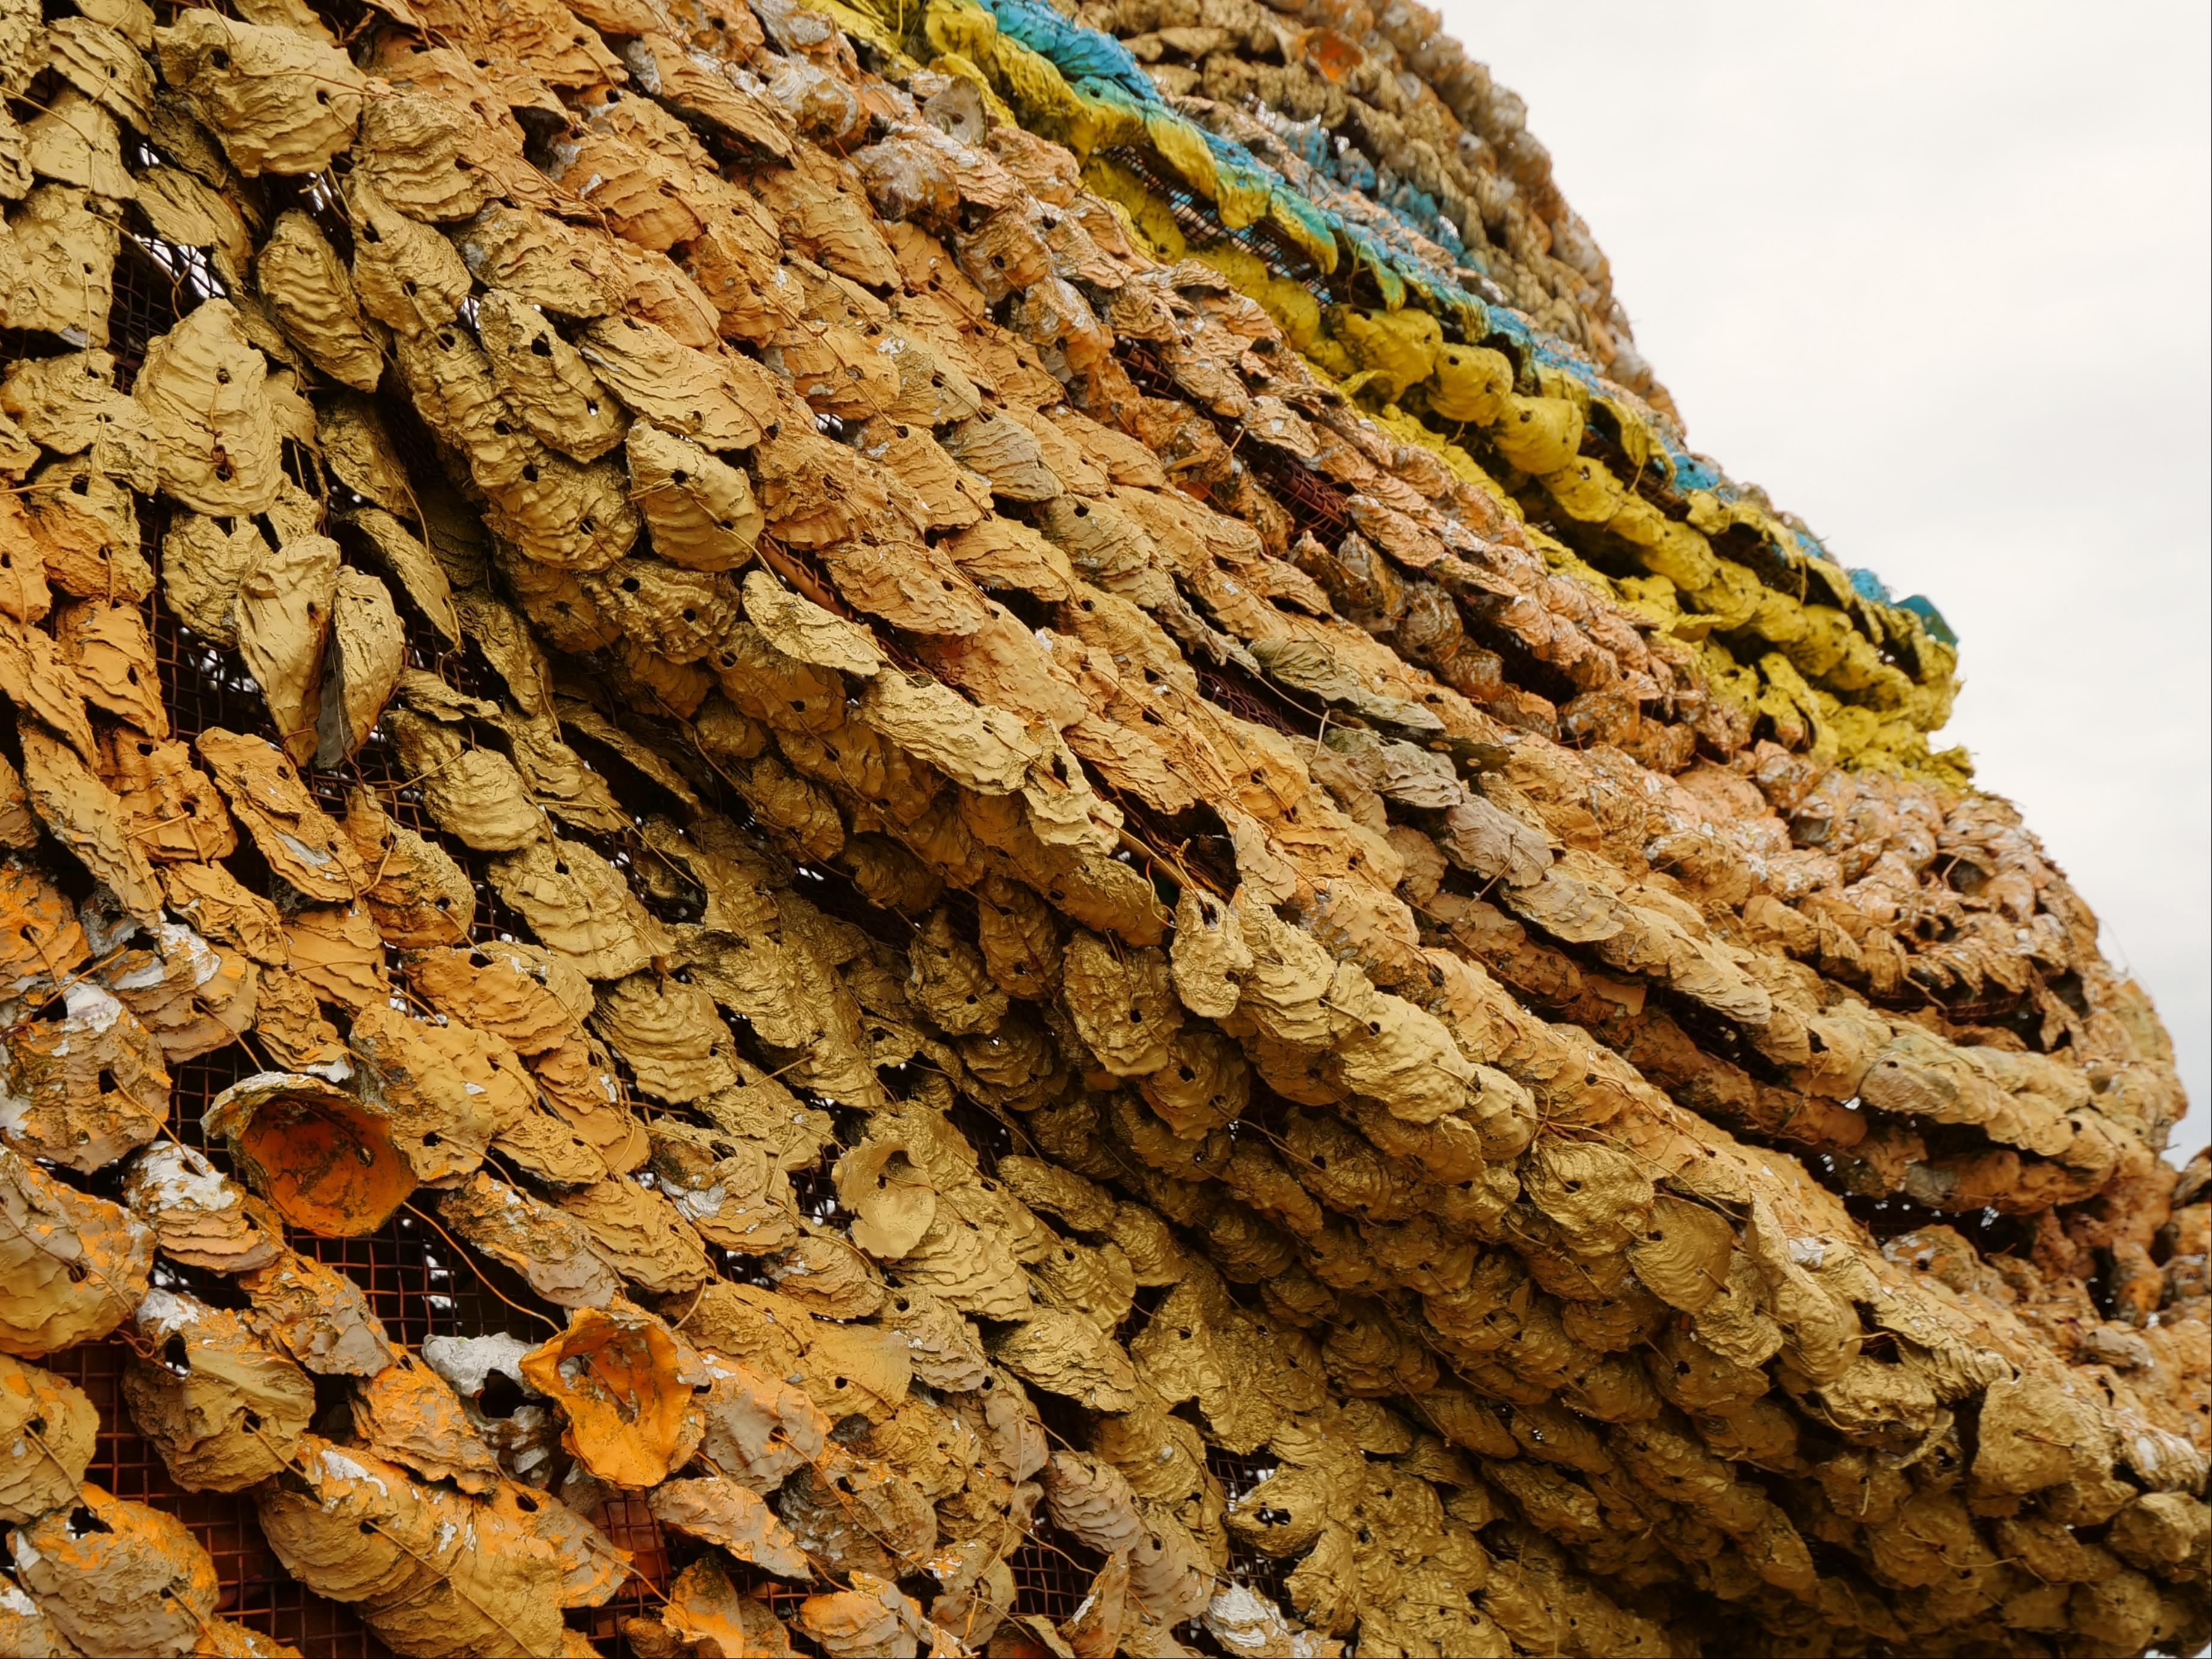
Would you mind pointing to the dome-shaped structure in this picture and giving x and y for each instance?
(869, 828)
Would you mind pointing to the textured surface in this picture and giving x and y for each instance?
(961, 828)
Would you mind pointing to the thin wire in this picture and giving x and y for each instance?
(464, 1255)
(400, 1545)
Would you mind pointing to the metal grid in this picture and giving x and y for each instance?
(256, 1590)
(1262, 1574)
(203, 686)
(630, 1528)
(1201, 222)
(1315, 505)
(414, 1282)
(148, 302)
(1052, 1574)
(417, 1284)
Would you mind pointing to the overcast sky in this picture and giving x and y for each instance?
(1936, 276)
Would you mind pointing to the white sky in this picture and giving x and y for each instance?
(1936, 276)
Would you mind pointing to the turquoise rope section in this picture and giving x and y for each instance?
(1096, 65)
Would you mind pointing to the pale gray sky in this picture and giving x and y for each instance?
(1936, 276)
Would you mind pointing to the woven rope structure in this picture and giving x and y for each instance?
(941, 827)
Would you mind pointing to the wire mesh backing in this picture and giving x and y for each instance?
(417, 1282)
